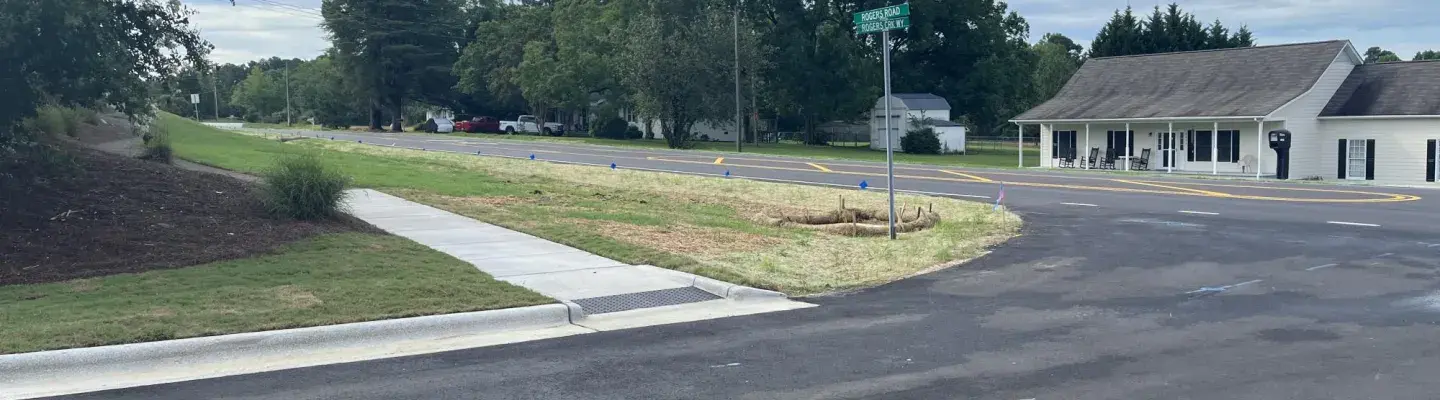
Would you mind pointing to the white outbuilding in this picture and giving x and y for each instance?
(912, 111)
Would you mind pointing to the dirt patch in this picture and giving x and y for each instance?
(684, 239)
(295, 297)
(498, 201)
(114, 214)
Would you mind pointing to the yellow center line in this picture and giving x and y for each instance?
(976, 178)
(818, 166)
(719, 160)
(1183, 189)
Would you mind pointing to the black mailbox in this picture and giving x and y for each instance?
(1280, 141)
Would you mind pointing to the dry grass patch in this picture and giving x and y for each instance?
(701, 243)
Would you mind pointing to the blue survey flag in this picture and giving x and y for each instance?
(864, 184)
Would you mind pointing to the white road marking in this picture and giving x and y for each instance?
(1350, 223)
(1198, 212)
(1222, 288)
(1321, 267)
(1080, 204)
(1385, 255)
(1434, 245)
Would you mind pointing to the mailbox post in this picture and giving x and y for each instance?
(1280, 141)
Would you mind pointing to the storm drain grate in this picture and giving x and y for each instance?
(654, 298)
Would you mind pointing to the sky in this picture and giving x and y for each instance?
(256, 29)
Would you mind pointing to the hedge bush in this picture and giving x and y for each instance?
(303, 188)
(613, 128)
(921, 141)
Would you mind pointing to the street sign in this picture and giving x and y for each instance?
(882, 25)
(194, 98)
(895, 11)
(885, 20)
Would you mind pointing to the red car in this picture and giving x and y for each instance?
(479, 124)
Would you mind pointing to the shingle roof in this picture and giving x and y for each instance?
(1242, 82)
(1398, 88)
(922, 101)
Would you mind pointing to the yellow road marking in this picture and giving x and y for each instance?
(976, 178)
(1183, 189)
(818, 166)
(719, 160)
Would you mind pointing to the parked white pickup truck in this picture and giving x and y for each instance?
(527, 124)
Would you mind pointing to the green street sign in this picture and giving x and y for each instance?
(883, 25)
(879, 14)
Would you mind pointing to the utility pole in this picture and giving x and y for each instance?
(754, 112)
(215, 88)
(287, 93)
(739, 126)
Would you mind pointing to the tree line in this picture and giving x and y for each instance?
(672, 62)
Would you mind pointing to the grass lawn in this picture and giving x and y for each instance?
(1001, 158)
(324, 280)
(696, 224)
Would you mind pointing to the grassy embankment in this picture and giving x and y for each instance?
(695, 224)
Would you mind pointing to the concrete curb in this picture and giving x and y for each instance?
(717, 287)
(35, 374)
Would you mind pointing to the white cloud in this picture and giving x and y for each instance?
(1403, 26)
(252, 30)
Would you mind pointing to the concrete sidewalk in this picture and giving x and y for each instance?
(596, 284)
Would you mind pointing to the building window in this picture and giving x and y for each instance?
(1228, 144)
(1355, 159)
(1199, 146)
(1062, 144)
(1116, 142)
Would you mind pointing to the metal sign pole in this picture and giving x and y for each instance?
(889, 141)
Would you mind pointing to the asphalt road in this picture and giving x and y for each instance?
(1126, 299)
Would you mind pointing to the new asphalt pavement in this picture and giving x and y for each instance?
(1169, 288)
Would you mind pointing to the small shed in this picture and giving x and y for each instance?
(952, 135)
(910, 111)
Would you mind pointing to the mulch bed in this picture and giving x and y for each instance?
(120, 215)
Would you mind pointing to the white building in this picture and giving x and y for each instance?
(712, 131)
(1208, 112)
(911, 111)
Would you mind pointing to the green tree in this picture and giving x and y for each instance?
(1378, 55)
(1075, 51)
(1168, 31)
(396, 50)
(1427, 55)
(261, 96)
(679, 63)
(1121, 36)
(322, 93)
(1053, 67)
(940, 54)
(821, 72)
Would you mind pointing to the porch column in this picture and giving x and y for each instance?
(1127, 146)
(1259, 144)
(1087, 146)
(1170, 142)
(1020, 145)
(1215, 149)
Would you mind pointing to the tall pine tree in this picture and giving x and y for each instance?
(1165, 31)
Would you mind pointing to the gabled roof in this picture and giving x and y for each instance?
(1241, 82)
(1396, 88)
(922, 101)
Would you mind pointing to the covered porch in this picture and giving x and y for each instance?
(1219, 146)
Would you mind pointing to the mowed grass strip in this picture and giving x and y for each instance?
(325, 280)
(695, 224)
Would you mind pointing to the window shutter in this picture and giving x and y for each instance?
(1234, 146)
(1109, 140)
(1343, 160)
(1370, 160)
(1430, 161)
(1054, 144)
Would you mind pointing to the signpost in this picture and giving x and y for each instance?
(195, 100)
(884, 20)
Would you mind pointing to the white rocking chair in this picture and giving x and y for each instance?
(1247, 164)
